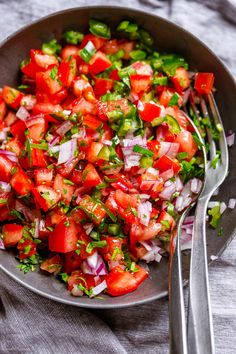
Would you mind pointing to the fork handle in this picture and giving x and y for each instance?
(200, 327)
(177, 323)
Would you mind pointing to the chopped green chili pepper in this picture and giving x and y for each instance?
(73, 37)
(99, 29)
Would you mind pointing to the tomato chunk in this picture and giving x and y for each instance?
(99, 63)
(203, 83)
(12, 233)
(45, 196)
(64, 237)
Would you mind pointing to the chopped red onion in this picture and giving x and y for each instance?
(99, 288)
(133, 97)
(196, 185)
(67, 151)
(64, 128)
(167, 174)
(146, 244)
(131, 140)
(232, 203)
(29, 214)
(88, 228)
(112, 264)
(5, 187)
(152, 255)
(230, 138)
(178, 184)
(189, 220)
(81, 133)
(144, 211)
(2, 247)
(76, 291)
(10, 155)
(168, 149)
(186, 96)
(99, 269)
(22, 113)
(54, 141)
(107, 142)
(179, 203)
(223, 207)
(168, 191)
(28, 102)
(93, 260)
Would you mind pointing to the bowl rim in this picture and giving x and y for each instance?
(144, 13)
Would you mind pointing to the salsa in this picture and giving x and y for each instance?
(97, 157)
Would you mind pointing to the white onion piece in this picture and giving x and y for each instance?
(144, 211)
(178, 184)
(99, 288)
(230, 139)
(22, 113)
(144, 196)
(5, 187)
(53, 141)
(67, 151)
(64, 128)
(213, 258)
(76, 291)
(90, 48)
(107, 142)
(232, 203)
(93, 260)
(223, 207)
(88, 228)
(54, 149)
(2, 247)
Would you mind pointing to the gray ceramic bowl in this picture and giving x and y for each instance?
(169, 38)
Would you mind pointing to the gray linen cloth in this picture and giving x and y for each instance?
(31, 324)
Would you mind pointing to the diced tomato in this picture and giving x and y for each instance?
(93, 151)
(52, 264)
(48, 82)
(10, 118)
(37, 128)
(110, 47)
(90, 177)
(84, 240)
(181, 80)
(151, 182)
(38, 158)
(83, 87)
(125, 200)
(20, 182)
(141, 275)
(66, 168)
(78, 277)
(64, 188)
(98, 42)
(166, 163)
(102, 86)
(3, 110)
(17, 129)
(69, 51)
(64, 237)
(105, 107)
(43, 176)
(12, 233)
(56, 215)
(6, 168)
(166, 96)
(28, 101)
(92, 122)
(99, 63)
(67, 71)
(154, 146)
(122, 183)
(169, 221)
(149, 111)
(78, 216)
(113, 250)
(31, 69)
(140, 83)
(120, 282)
(72, 262)
(140, 232)
(203, 83)
(46, 197)
(186, 143)
(94, 210)
(179, 115)
(27, 248)
(12, 97)
(127, 47)
(46, 108)
(43, 60)
(81, 105)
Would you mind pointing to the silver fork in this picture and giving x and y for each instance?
(200, 326)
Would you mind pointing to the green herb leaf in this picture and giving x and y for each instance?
(95, 244)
